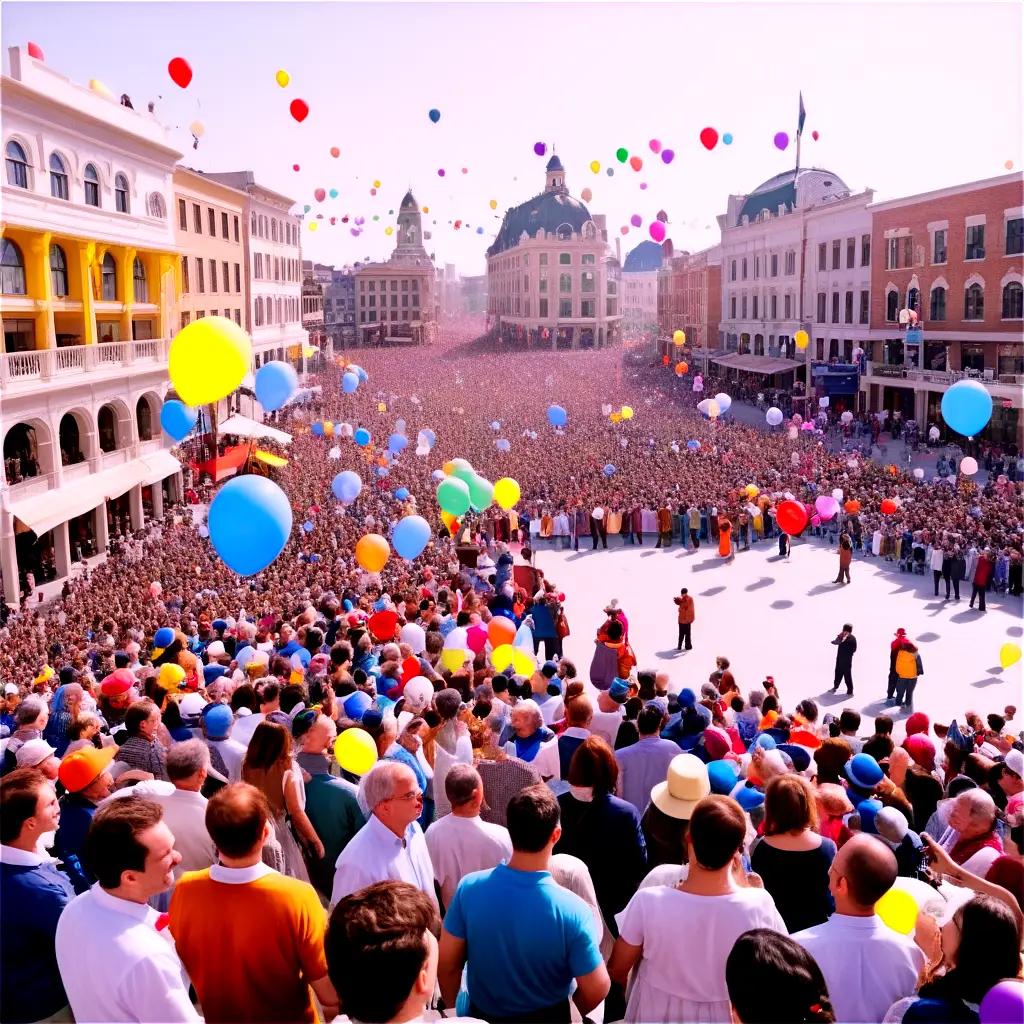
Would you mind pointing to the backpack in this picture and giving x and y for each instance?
(906, 664)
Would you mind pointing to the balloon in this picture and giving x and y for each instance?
(781, 140)
(622, 154)
(177, 419)
(1004, 1002)
(693, 446)
(656, 230)
(346, 486)
(967, 407)
(846, 417)
(299, 109)
(180, 72)
(801, 339)
(827, 507)
(383, 625)
(307, 526)
(968, 466)
(636, 220)
(328, 428)
(335, 152)
(709, 138)
(679, 337)
(97, 86)
(282, 77)
(598, 513)
(156, 588)
(852, 507)
(349, 382)
(627, 412)
(727, 138)
(453, 659)
(476, 638)
(724, 401)
(410, 536)
(35, 51)
(208, 359)
(823, 402)
(681, 369)
(355, 751)
(412, 634)
(453, 496)
(898, 910)
(888, 507)
(501, 631)
(1009, 654)
(362, 437)
(506, 656)
(667, 155)
(791, 517)
(557, 416)
(506, 492)
(250, 521)
(372, 552)
(275, 383)
(609, 470)
(481, 493)
(773, 417)
(171, 676)
(402, 493)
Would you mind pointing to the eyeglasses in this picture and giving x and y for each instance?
(413, 794)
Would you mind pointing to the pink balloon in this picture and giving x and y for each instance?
(657, 230)
(655, 145)
(476, 637)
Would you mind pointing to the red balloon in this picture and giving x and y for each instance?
(335, 152)
(814, 135)
(35, 51)
(709, 137)
(791, 517)
(664, 360)
(295, 167)
(320, 195)
(180, 72)
(410, 669)
(888, 507)
(299, 109)
(383, 625)
(334, 220)
(636, 163)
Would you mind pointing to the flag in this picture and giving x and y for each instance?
(802, 117)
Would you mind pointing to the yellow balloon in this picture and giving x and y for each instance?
(898, 910)
(501, 656)
(679, 337)
(208, 360)
(97, 86)
(627, 412)
(493, 204)
(376, 184)
(282, 78)
(752, 491)
(595, 166)
(328, 428)
(381, 407)
(523, 664)
(312, 225)
(453, 659)
(355, 751)
(197, 128)
(802, 339)
(388, 230)
(1009, 654)
(506, 492)
(426, 209)
(372, 552)
(170, 676)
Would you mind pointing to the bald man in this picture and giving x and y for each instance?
(867, 965)
(971, 839)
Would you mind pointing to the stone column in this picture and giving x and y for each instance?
(9, 560)
(61, 550)
(101, 534)
(136, 513)
(158, 500)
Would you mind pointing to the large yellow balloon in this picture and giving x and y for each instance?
(453, 659)
(197, 128)
(208, 360)
(1009, 654)
(506, 492)
(282, 78)
(802, 339)
(627, 412)
(501, 656)
(898, 910)
(170, 676)
(679, 337)
(355, 751)
(372, 552)
(523, 664)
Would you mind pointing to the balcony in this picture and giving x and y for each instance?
(42, 369)
(1006, 385)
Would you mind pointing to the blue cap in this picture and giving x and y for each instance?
(722, 776)
(762, 740)
(372, 717)
(219, 624)
(687, 698)
(863, 771)
(356, 703)
(800, 756)
(868, 811)
(217, 719)
(619, 691)
(549, 668)
(748, 797)
(163, 637)
(212, 672)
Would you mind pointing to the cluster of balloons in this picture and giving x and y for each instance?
(462, 489)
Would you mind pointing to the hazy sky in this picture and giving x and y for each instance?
(906, 98)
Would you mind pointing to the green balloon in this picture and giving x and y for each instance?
(622, 154)
(464, 473)
(453, 496)
(481, 493)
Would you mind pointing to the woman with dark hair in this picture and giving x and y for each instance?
(774, 980)
(602, 830)
(269, 767)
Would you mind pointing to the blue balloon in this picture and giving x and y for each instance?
(967, 407)
(178, 419)
(349, 382)
(402, 493)
(317, 430)
(360, 373)
(346, 486)
(362, 437)
(503, 444)
(479, 231)
(397, 443)
(693, 445)
(275, 384)
(382, 471)
(163, 637)
(410, 536)
(307, 527)
(434, 114)
(609, 470)
(250, 521)
(495, 425)
(314, 558)
(429, 435)
(437, 475)
(557, 416)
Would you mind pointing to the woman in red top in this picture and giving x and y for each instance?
(982, 578)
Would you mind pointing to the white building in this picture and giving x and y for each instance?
(640, 288)
(89, 284)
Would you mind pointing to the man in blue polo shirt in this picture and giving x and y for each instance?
(525, 938)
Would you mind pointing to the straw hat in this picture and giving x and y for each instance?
(686, 785)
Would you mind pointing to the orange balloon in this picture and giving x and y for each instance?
(372, 552)
(852, 507)
(681, 368)
(888, 507)
(448, 468)
(382, 461)
(501, 631)
(664, 360)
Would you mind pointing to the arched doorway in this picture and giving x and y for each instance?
(71, 447)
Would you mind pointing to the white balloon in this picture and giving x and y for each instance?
(933, 433)
(847, 417)
(334, 453)
(774, 416)
(823, 402)
(968, 466)
(457, 639)
(837, 493)
(723, 400)
(598, 513)
(413, 635)
(919, 473)
(346, 430)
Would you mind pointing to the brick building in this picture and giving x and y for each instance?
(690, 299)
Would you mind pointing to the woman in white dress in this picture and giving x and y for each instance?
(680, 970)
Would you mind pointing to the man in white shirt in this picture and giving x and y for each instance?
(391, 843)
(116, 964)
(270, 701)
(867, 966)
(970, 838)
(610, 711)
(461, 842)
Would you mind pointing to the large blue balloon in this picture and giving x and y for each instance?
(397, 443)
(349, 382)
(557, 416)
(362, 437)
(346, 486)
(275, 384)
(250, 521)
(317, 430)
(360, 373)
(693, 445)
(178, 419)
(410, 536)
(967, 407)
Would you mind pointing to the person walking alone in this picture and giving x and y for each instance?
(845, 558)
(982, 578)
(846, 643)
(686, 616)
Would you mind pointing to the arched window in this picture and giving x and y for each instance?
(139, 284)
(938, 304)
(70, 441)
(914, 300)
(21, 446)
(892, 306)
(155, 206)
(17, 165)
(92, 186)
(144, 418)
(108, 279)
(12, 269)
(974, 303)
(1013, 301)
(58, 177)
(58, 271)
(107, 423)
(121, 194)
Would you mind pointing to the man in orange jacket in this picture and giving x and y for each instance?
(686, 616)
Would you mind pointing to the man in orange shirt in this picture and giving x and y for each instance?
(252, 940)
(686, 616)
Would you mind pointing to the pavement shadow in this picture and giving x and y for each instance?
(711, 592)
(967, 615)
(1015, 631)
(822, 588)
(980, 684)
(830, 699)
(877, 707)
(764, 581)
(781, 604)
(927, 638)
(708, 563)
(670, 655)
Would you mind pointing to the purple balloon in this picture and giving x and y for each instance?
(667, 156)
(1003, 1002)
(781, 140)
(636, 220)
(540, 148)
(826, 507)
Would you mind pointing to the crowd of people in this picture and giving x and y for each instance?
(276, 798)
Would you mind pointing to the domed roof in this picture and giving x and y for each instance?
(646, 256)
(554, 164)
(548, 212)
(814, 184)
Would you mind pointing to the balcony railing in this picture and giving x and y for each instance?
(987, 377)
(28, 369)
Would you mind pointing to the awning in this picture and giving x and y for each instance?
(757, 364)
(158, 466)
(269, 458)
(245, 427)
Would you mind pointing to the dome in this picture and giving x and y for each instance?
(646, 256)
(814, 184)
(546, 212)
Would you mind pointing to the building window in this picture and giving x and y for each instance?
(108, 279)
(754, 307)
(543, 259)
(182, 215)
(732, 271)
(975, 242)
(743, 268)
(58, 271)
(588, 259)
(937, 309)
(837, 247)
(121, 194)
(743, 307)
(224, 269)
(1013, 301)
(543, 285)
(224, 225)
(211, 217)
(197, 219)
(849, 308)
(564, 258)
(835, 307)
(184, 274)
(588, 281)
(236, 226)
(200, 276)
(92, 186)
(865, 307)
(892, 254)
(238, 317)
(914, 300)
(587, 308)
(139, 284)
(155, 206)
(790, 263)
(757, 267)
(565, 282)
(17, 165)
(186, 318)
(865, 250)
(565, 307)
(238, 278)
(974, 303)
(58, 177)
(851, 253)
(892, 306)
(822, 299)
(775, 264)
(1015, 236)
(775, 307)
(787, 306)
(213, 275)
(732, 307)
(259, 311)
(939, 246)
(822, 256)
(253, 225)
